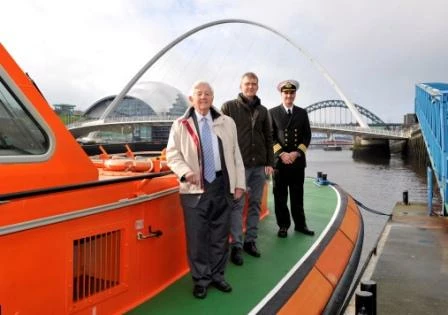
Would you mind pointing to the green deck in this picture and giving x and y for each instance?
(256, 278)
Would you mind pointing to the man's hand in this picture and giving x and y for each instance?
(286, 158)
(193, 178)
(294, 155)
(289, 158)
(268, 170)
(238, 193)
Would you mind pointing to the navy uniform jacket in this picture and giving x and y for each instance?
(290, 133)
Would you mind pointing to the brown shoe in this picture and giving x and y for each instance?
(251, 249)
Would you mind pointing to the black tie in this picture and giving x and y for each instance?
(289, 112)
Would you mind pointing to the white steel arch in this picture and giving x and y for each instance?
(154, 59)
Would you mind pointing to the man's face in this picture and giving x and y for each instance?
(249, 87)
(288, 97)
(202, 98)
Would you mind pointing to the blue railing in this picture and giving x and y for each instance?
(431, 107)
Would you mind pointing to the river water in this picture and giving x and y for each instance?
(378, 184)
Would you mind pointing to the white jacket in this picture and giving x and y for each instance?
(183, 150)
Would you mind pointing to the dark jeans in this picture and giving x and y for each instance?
(255, 181)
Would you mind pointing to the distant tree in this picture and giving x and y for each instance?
(67, 113)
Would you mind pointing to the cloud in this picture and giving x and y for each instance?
(79, 52)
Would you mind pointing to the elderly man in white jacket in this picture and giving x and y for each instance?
(203, 152)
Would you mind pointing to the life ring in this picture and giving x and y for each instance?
(98, 163)
(130, 165)
(118, 164)
(145, 165)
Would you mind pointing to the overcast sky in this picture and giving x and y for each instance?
(81, 51)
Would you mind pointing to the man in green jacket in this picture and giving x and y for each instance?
(255, 141)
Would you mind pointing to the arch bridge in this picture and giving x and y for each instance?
(334, 116)
(363, 126)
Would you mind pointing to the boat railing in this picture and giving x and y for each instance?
(57, 189)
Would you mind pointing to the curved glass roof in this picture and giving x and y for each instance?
(144, 99)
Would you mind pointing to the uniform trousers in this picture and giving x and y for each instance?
(289, 177)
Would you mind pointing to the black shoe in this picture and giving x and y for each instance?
(305, 230)
(283, 232)
(222, 286)
(199, 292)
(251, 249)
(236, 256)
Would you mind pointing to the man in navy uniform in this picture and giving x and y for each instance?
(291, 137)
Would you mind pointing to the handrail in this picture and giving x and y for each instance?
(431, 107)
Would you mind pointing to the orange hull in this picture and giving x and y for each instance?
(53, 261)
(313, 294)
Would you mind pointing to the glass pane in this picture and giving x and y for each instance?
(19, 132)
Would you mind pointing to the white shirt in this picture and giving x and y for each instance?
(215, 144)
(286, 108)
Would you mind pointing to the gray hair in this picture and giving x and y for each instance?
(200, 82)
(250, 75)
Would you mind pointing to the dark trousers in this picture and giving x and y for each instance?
(207, 225)
(289, 177)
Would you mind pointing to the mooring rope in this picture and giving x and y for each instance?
(359, 203)
(370, 209)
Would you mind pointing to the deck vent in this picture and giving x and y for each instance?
(96, 264)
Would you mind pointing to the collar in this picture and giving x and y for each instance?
(191, 111)
(256, 101)
(199, 116)
(286, 108)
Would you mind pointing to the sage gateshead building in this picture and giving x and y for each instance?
(145, 114)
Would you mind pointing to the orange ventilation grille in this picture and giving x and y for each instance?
(96, 264)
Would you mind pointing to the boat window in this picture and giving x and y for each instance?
(19, 132)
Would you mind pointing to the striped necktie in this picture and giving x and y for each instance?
(207, 152)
